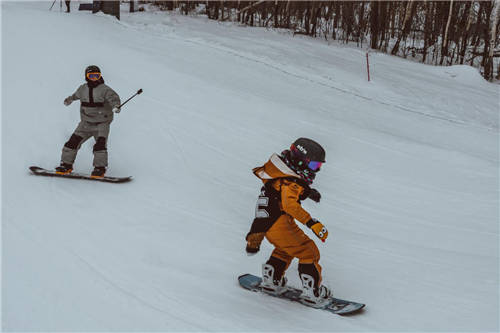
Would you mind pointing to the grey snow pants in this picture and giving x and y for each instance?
(83, 132)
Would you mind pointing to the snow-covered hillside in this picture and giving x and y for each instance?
(410, 188)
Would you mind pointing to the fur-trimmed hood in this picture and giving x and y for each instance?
(273, 169)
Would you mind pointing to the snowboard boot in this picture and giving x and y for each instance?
(312, 295)
(271, 285)
(64, 169)
(98, 172)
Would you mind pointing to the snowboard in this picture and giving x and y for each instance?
(337, 306)
(52, 173)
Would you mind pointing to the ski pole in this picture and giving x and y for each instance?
(137, 93)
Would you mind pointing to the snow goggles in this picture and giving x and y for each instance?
(311, 165)
(314, 166)
(303, 163)
(93, 76)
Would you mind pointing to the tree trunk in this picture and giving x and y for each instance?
(287, 11)
(488, 70)
(469, 10)
(392, 12)
(406, 26)
(427, 28)
(374, 23)
(361, 23)
(307, 16)
(216, 11)
(275, 14)
(336, 16)
(444, 48)
(382, 22)
(315, 13)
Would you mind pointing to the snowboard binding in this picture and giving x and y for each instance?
(271, 285)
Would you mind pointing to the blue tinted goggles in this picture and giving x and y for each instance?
(303, 163)
(314, 166)
(94, 76)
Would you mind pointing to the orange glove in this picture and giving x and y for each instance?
(318, 229)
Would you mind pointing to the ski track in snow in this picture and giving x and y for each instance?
(409, 190)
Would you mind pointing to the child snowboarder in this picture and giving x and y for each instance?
(287, 179)
(98, 102)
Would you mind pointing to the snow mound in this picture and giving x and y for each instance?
(464, 74)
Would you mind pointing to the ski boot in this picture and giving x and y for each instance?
(271, 285)
(64, 169)
(316, 297)
(98, 172)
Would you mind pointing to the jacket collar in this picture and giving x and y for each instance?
(274, 168)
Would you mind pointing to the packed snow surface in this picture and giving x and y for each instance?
(409, 190)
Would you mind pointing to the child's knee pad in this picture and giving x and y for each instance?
(100, 144)
(73, 142)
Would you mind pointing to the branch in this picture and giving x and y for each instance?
(251, 6)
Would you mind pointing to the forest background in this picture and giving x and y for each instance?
(431, 32)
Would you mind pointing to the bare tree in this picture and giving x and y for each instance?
(441, 32)
(406, 25)
(488, 64)
(444, 48)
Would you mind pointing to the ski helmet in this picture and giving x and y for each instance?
(307, 150)
(93, 71)
(305, 157)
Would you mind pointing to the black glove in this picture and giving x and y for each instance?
(314, 195)
(253, 242)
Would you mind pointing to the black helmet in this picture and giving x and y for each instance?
(305, 157)
(307, 150)
(92, 69)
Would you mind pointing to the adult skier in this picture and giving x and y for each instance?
(287, 179)
(97, 104)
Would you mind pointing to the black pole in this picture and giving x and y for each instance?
(137, 93)
(52, 4)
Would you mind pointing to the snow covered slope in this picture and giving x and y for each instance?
(410, 188)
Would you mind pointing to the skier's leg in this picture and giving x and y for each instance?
(289, 238)
(70, 149)
(286, 236)
(310, 275)
(100, 146)
(309, 264)
(313, 292)
(273, 271)
(100, 152)
(74, 143)
(280, 262)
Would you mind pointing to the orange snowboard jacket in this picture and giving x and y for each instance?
(282, 192)
(285, 180)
